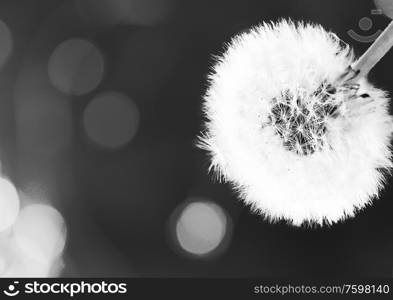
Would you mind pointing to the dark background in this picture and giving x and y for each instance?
(118, 204)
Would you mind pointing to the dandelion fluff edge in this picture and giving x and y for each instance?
(292, 144)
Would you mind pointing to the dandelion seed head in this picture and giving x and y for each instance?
(292, 142)
(300, 119)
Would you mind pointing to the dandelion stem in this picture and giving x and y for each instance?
(371, 57)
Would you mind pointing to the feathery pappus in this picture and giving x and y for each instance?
(295, 143)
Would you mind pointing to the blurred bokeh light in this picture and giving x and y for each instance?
(22, 266)
(6, 43)
(33, 244)
(3, 264)
(9, 204)
(111, 120)
(76, 67)
(40, 233)
(201, 227)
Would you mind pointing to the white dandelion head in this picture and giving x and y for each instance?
(294, 144)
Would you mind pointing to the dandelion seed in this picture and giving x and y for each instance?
(298, 133)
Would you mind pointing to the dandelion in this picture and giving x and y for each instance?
(297, 132)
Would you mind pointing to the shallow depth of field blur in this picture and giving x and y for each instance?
(100, 104)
